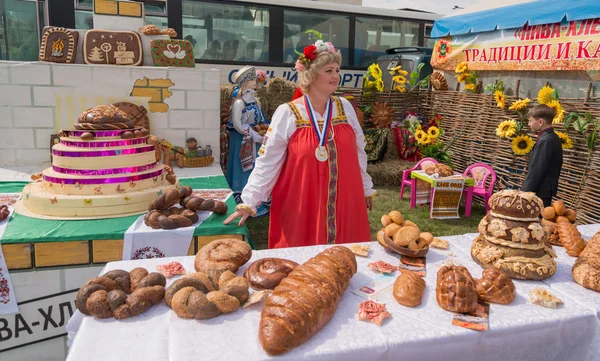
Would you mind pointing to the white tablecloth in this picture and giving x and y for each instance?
(519, 331)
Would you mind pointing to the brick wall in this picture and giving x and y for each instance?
(28, 109)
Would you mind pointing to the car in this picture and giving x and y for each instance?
(410, 58)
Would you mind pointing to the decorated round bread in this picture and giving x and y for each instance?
(516, 205)
(104, 117)
(515, 262)
(509, 230)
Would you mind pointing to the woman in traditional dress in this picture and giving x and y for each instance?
(243, 148)
(313, 162)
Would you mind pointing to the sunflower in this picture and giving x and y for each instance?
(399, 79)
(560, 112)
(463, 77)
(520, 104)
(426, 140)
(379, 84)
(567, 143)
(375, 71)
(500, 99)
(522, 145)
(506, 129)
(400, 88)
(398, 71)
(462, 67)
(546, 95)
(420, 136)
(433, 132)
(370, 84)
(470, 87)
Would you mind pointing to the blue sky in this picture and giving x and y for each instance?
(436, 6)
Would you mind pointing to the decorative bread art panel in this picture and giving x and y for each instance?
(112, 47)
(172, 52)
(59, 45)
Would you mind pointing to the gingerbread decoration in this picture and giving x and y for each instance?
(59, 45)
(112, 47)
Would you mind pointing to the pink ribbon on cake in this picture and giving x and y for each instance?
(103, 180)
(103, 153)
(109, 171)
(106, 144)
(99, 133)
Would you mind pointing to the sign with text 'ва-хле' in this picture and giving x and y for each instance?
(572, 45)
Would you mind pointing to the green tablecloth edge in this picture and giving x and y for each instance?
(211, 226)
(469, 182)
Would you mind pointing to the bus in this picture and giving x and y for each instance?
(265, 33)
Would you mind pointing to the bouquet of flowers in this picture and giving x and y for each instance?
(429, 140)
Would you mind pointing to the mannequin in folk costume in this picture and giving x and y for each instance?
(313, 163)
(244, 141)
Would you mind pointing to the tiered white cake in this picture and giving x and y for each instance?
(99, 173)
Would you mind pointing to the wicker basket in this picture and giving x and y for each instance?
(198, 162)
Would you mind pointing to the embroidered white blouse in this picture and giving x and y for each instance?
(274, 151)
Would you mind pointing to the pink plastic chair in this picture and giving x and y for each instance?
(406, 180)
(480, 173)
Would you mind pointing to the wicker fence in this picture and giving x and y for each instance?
(478, 116)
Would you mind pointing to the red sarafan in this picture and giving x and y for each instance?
(455, 291)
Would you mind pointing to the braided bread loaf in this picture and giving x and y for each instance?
(163, 215)
(199, 204)
(165, 200)
(195, 296)
(455, 291)
(306, 300)
(170, 218)
(107, 296)
(586, 270)
(222, 255)
(496, 287)
(570, 238)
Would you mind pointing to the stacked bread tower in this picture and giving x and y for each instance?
(512, 238)
(105, 167)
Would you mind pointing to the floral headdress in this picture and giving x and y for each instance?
(310, 52)
(261, 78)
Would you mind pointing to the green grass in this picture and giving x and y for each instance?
(387, 200)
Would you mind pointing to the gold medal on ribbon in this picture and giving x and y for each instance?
(321, 153)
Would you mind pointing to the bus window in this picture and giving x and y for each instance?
(226, 32)
(374, 36)
(84, 19)
(429, 41)
(155, 14)
(334, 28)
(20, 30)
